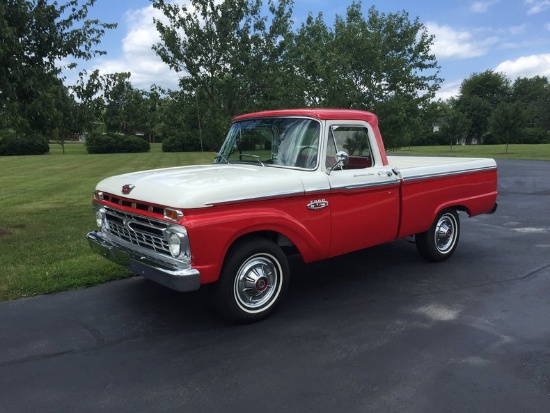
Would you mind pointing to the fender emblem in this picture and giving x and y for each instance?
(317, 204)
(126, 189)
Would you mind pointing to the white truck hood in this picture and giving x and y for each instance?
(204, 185)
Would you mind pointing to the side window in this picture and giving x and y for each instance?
(355, 141)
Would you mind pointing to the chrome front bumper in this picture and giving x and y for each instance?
(141, 264)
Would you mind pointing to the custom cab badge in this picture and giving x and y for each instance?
(317, 204)
(126, 189)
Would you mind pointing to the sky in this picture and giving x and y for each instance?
(471, 36)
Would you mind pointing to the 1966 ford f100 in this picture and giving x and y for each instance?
(316, 182)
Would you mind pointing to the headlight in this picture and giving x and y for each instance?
(99, 217)
(178, 243)
(174, 244)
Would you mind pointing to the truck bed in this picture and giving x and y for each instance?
(417, 167)
(431, 184)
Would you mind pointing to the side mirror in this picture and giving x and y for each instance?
(342, 159)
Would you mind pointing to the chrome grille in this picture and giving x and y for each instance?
(138, 230)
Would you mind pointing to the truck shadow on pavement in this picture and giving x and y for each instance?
(373, 273)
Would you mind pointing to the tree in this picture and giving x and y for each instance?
(316, 80)
(234, 59)
(477, 111)
(430, 120)
(507, 122)
(379, 62)
(533, 96)
(36, 35)
(480, 95)
(455, 125)
(384, 56)
(98, 96)
(125, 109)
(153, 107)
(364, 61)
(492, 87)
(230, 55)
(399, 121)
(62, 122)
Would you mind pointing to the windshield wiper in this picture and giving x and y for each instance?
(256, 157)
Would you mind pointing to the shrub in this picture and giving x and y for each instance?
(535, 135)
(185, 142)
(30, 144)
(173, 144)
(431, 139)
(492, 139)
(527, 136)
(114, 143)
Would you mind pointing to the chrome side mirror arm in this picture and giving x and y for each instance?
(342, 159)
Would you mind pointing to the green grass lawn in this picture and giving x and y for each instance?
(45, 204)
(533, 152)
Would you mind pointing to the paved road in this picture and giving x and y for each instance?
(378, 330)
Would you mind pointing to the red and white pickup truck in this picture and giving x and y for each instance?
(316, 182)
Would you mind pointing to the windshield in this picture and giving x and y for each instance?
(287, 142)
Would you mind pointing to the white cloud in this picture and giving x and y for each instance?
(537, 6)
(482, 6)
(517, 29)
(448, 90)
(450, 43)
(137, 54)
(547, 26)
(515, 45)
(526, 66)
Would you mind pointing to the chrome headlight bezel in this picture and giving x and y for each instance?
(100, 217)
(178, 242)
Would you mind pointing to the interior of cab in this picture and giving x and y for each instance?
(354, 140)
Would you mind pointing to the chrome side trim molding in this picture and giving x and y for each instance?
(445, 174)
(367, 185)
(274, 195)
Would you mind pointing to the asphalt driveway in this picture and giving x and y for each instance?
(378, 330)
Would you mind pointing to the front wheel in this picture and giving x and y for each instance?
(440, 241)
(253, 279)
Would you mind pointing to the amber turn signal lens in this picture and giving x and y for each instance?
(172, 214)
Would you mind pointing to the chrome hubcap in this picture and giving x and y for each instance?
(257, 281)
(445, 233)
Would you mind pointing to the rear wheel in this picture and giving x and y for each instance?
(253, 279)
(440, 241)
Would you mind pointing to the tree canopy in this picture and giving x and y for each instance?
(237, 56)
(35, 36)
(497, 110)
(507, 121)
(234, 59)
(230, 55)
